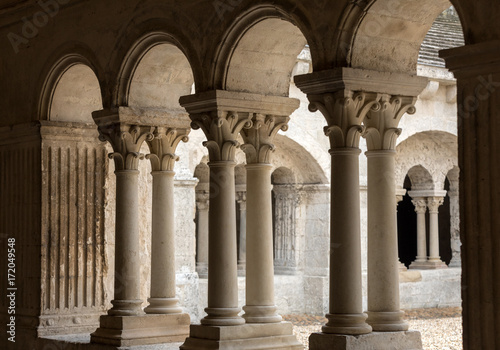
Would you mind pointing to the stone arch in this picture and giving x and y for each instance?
(385, 35)
(72, 75)
(420, 178)
(259, 53)
(292, 155)
(154, 73)
(436, 151)
(283, 176)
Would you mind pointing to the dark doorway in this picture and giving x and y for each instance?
(407, 228)
(445, 227)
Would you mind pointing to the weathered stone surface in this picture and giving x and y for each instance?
(409, 340)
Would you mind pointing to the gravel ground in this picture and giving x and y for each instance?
(441, 328)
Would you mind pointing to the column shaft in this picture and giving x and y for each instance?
(222, 307)
(421, 237)
(433, 204)
(346, 310)
(384, 313)
(202, 239)
(163, 246)
(260, 307)
(127, 299)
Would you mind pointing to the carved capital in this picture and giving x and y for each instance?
(202, 200)
(163, 146)
(259, 138)
(126, 140)
(221, 129)
(433, 203)
(382, 121)
(420, 205)
(344, 112)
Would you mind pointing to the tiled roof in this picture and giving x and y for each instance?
(446, 32)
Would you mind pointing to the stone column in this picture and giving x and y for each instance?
(162, 157)
(126, 140)
(202, 233)
(384, 313)
(478, 82)
(433, 204)
(346, 96)
(400, 193)
(241, 199)
(221, 125)
(344, 111)
(420, 208)
(126, 323)
(260, 306)
(453, 193)
(222, 115)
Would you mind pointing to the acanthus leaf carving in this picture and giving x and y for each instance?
(344, 112)
(126, 141)
(382, 124)
(259, 138)
(221, 129)
(163, 146)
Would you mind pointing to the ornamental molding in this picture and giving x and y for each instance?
(332, 80)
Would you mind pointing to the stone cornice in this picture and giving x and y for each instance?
(333, 80)
(171, 118)
(38, 130)
(223, 100)
(426, 193)
(470, 61)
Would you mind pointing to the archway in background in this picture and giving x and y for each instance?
(407, 227)
(76, 95)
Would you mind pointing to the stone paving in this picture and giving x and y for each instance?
(441, 328)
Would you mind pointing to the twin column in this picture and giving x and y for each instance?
(223, 116)
(371, 104)
(126, 138)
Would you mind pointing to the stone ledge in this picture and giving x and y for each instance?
(410, 340)
(141, 330)
(272, 336)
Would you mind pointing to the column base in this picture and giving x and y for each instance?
(141, 330)
(163, 306)
(352, 324)
(428, 265)
(409, 340)
(222, 317)
(387, 321)
(261, 314)
(244, 337)
(402, 266)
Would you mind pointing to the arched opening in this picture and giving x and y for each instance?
(445, 227)
(407, 227)
(76, 95)
(161, 77)
(284, 204)
(202, 173)
(263, 59)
